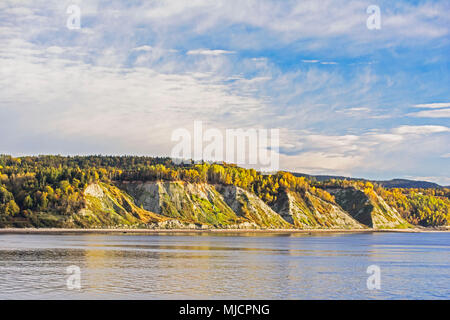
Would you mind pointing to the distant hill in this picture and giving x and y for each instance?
(394, 183)
(405, 183)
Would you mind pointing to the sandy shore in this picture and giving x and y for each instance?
(210, 231)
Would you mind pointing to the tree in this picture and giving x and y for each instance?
(28, 202)
(12, 209)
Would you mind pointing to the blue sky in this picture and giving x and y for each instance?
(347, 100)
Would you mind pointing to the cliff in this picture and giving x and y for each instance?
(309, 211)
(368, 208)
(193, 205)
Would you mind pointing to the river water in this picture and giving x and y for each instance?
(225, 266)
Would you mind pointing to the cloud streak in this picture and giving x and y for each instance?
(440, 113)
(433, 105)
(208, 52)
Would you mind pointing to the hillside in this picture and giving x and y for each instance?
(309, 211)
(234, 207)
(192, 203)
(393, 183)
(368, 209)
(144, 192)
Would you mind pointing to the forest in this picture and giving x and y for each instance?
(55, 184)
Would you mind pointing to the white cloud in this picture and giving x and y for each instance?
(359, 109)
(143, 48)
(318, 61)
(208, 52)
(428, 129)
(379, 150)
(437, 113)
(438, 110)
(55, 50)
(176, 22)
(433, 105)
(321, 162)
(382, 138)
(296, 20)
(102, 90)
(136, 107)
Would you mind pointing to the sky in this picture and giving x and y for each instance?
(348, 100)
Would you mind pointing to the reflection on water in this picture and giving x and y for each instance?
(226, 266)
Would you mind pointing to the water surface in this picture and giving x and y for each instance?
(225, 266)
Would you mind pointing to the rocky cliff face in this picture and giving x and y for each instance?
(311, 212)
(369, 209)
(187, 205)
(108, 206)
(193, 203)
(250, 207)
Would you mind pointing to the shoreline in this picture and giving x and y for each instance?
(205, 231)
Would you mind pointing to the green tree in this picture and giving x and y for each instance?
(12, 209)
(28, 202)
